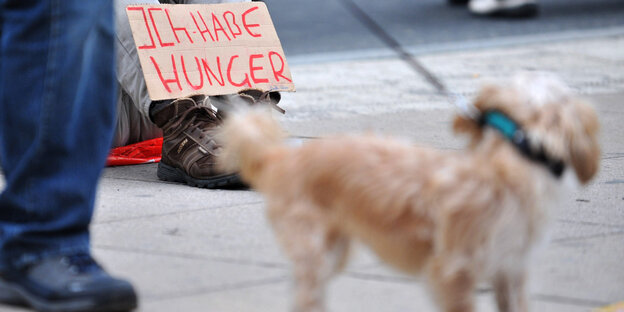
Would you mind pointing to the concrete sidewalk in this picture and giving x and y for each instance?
(189, 249)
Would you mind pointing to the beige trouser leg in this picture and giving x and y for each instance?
(133, 102)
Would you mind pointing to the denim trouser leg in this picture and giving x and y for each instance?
(57, 110)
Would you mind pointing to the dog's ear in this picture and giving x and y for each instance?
(466, 125)
(463, 124)
(584, 148)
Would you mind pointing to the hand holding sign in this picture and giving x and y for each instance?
(208, 49)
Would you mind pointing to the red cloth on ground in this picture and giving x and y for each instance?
(137, 153)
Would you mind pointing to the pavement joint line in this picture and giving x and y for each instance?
(585, 56)
(140, 180)
(416, 91)
(591, 223)
(615, 154)
(381, 278)
(569, 300)
(518, 40)
(180, 212)
(459, 46)
(583, 238)
(218, 289)
(228, 260)
(306, 137)
(613, 157)
(602, 83)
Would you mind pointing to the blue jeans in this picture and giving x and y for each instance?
(57, 111)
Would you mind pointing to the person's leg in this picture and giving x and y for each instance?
(132, 126)
(188, 124)
(133, 120)
(57, 103)
(56, 125)
(135, 109)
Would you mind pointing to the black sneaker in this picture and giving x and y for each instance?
(67, 284)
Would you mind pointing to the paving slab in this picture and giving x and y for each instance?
(435, 22)
(227, 233)
(388, 86)
(160, 277)
(231, 234)
(426, 25)
(328, 27)
(585, 271)
(122, 199)
(344, 294)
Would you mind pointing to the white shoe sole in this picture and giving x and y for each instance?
(511, 8)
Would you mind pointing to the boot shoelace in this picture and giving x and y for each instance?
(80, 263)
(202, 120)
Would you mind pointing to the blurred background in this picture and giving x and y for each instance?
(336, 28)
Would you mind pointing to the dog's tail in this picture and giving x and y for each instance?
(249, 138)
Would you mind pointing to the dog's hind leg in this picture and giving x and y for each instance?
(318, 251)
(510, 292)
(452, 285)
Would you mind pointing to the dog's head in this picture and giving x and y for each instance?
(563, 125)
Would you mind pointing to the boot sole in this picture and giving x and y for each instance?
(14, 294)
(521, 11)
(457, 2)
(172, 174)
(10, 296)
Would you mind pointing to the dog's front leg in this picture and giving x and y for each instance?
(452, 286)
(509, 289)
(313, 268)
(309, 290)
(317, 250)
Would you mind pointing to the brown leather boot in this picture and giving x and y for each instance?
(189, 149)
(249, 97)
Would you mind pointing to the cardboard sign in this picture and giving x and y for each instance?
(208, 49)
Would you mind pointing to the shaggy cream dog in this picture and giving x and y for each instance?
(459, 217)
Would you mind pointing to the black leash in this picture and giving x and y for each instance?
(509, 128)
